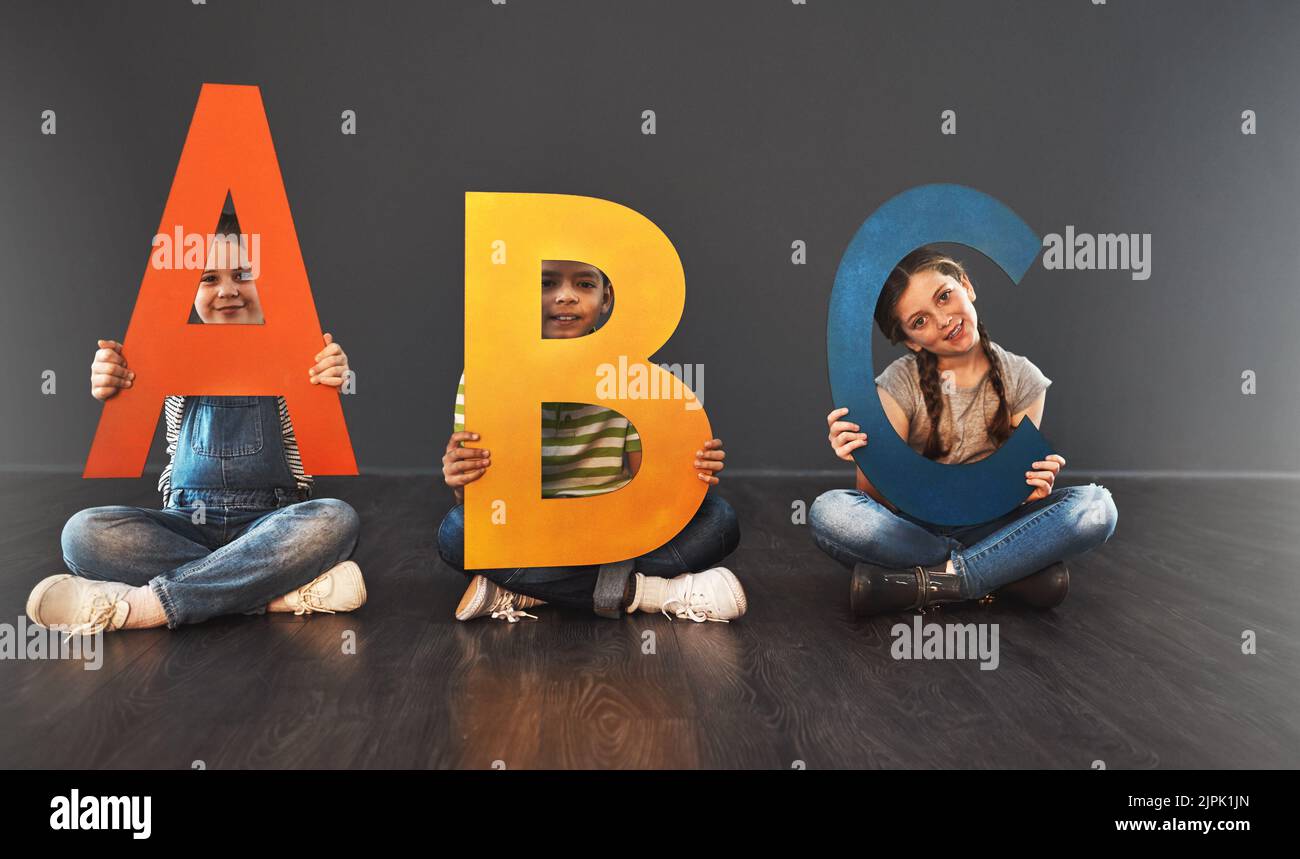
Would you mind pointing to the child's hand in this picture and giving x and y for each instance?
(461, 465)
(710, 459)
(331, 365)
(1044, 480)
(844, 436)
(108, 371)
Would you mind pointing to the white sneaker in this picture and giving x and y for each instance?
(486, 597)
(77, 605)
(339, 588)
(714, 594)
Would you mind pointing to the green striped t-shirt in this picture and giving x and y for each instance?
(582, 447)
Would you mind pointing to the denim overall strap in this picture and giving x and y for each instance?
(231, 452)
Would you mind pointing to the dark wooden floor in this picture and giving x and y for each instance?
(1141, 667)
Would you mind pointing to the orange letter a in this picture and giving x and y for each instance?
(228, 149)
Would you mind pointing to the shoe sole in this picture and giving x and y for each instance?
(472, 601)
(360, 581)
(737, 591)
(38, 593)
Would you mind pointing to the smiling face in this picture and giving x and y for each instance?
(937, 313)
(227, 295)
(575, 296)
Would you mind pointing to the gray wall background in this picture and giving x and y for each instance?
(776, 122)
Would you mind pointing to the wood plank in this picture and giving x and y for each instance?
(1141, 667)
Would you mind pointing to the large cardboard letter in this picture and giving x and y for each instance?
(510, 371)
(228, 149)
(942, 494)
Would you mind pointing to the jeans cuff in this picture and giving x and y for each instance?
(159, 588)
(611, 582)
(960, 568)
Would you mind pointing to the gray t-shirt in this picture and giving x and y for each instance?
(967, 411)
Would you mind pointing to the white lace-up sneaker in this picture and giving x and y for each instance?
(339, 588)
(485, 597)
(77, 605)
(714, 594)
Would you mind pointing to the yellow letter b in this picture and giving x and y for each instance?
(510, 370)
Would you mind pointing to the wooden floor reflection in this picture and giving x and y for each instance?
(1141, 667)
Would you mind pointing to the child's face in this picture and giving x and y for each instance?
(935, 306)
(574, 297)
(227, 295)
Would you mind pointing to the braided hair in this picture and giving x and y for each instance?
(929, 258)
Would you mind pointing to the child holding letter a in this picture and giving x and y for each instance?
(238, 533)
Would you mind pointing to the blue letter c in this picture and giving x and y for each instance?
(941, 494)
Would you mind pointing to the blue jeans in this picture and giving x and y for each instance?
(853, 527)
(711, 535)
(254, 545)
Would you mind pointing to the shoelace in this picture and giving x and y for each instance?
(694, 607)
(316, 603)
(102, 610)
(504, 608)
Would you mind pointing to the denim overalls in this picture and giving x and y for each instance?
(232, 537)
(230, 455)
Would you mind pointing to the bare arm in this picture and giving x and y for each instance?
(1034, 412)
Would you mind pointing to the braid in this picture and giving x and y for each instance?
(927, 366)
(929, 258)
(1000, 425)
